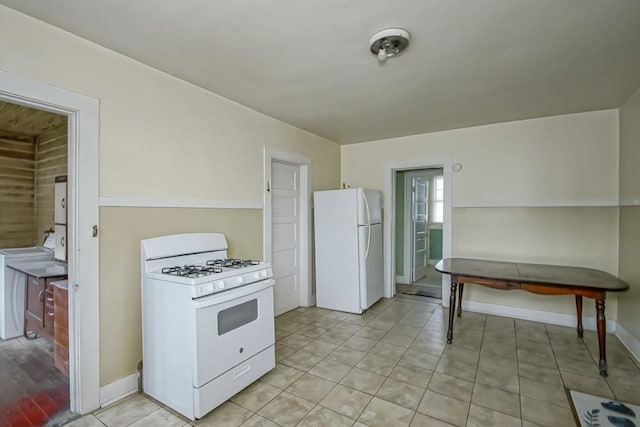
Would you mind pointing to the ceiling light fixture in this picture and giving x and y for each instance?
(389, 43)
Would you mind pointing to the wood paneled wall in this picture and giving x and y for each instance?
(17, 189)
(50, 161)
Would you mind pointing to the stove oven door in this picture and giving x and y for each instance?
(231, 327)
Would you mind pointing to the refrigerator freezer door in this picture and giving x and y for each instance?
(336, 243)
(370, 260)
(369, 206)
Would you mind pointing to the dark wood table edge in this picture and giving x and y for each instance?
(599, 295)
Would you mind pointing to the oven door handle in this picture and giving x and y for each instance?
(232, 294)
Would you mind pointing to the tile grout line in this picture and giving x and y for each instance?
(475, 377)
(518, 373)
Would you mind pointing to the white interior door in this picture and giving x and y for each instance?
(285, 235)
(419, 235)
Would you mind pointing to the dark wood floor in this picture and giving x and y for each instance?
(29, 382)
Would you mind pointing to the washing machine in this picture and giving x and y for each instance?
(13, 286)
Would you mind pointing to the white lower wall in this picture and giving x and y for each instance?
(578, 236)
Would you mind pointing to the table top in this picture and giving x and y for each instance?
(542, 274)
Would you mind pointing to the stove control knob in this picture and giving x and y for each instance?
(210, 287)
(256, 276)
(220, 285)
(263, 273)
(240, 280)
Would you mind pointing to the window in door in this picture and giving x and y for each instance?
(438, 200)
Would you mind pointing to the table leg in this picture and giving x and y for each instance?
(579, 314)
(602, 335)
(452, 309)
(460, 289)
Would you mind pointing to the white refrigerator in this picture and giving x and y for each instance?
(348, 249)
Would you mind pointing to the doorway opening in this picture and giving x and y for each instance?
(397, 234)
(81, 202)
(34, 339)
(419, 216)
(287, 228)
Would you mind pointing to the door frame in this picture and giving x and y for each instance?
(82, 210)
(307, 298)
(390, 168)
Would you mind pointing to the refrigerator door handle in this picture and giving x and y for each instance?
(366, 204)
(366, 254)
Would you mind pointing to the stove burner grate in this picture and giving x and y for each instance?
(232, 262)
(191, 270)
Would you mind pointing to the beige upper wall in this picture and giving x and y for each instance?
(629, 315)
(550, 160)
(630, 150)
(150, 120)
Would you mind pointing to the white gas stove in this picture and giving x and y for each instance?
(207, 321)
(199, 260)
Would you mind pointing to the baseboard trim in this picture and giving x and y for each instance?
(310, 302)
(629, 341)
(401, 280)
(562, 319)
(118, 389)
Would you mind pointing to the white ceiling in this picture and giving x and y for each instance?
(308, 63)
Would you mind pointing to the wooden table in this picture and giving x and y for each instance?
(538, 279)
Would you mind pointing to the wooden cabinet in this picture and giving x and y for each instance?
(61, 326)
(39, 308)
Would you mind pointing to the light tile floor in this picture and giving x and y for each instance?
(391, 367)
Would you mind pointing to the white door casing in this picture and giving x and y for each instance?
(306, 298)
(285, 230)
(419, 232)
(82, 210)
